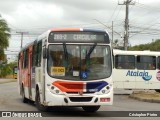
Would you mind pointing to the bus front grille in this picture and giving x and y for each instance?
(78, 92)
(80, 99)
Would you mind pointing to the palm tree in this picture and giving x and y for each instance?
(4, 36)
(4, 33)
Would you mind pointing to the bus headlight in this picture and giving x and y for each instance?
(52, 87)
(105, 90)
(55, 90)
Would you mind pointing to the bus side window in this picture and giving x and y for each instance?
(158, 62)
(146, 62)
(118, 63)
(34, 55)
(139, 66)
(125, 62)
(21, 61)
(39, 53)
(25, 58)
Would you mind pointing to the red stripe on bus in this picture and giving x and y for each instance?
(69, 86)
(65, 29)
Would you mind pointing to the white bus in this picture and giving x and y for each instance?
(67, 67)
(136, 69)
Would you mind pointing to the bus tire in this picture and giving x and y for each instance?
(90, 108)
(157, 90)
(24, 99)
(38, 103)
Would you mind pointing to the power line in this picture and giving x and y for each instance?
(149, 7)
(145, 29)
(113, 13)
(150, 29)
(118, 13)
(141, 16)
(109, 27)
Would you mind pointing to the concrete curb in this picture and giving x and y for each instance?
(121, 94)
(145, 98)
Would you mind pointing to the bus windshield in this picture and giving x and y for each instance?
(79, 62)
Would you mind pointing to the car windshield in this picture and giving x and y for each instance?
(79, 62)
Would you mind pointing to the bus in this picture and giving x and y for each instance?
(67, 67)
(15, 72)
(136, 70)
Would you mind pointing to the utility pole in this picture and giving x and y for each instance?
(22, 33)
(126, 26)
(111, 28)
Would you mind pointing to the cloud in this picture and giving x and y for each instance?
(40, 15)
(81, 4)
(7, 6)
(34, 13)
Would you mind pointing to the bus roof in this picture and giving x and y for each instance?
(146, 52)
(45, 34)
(77, 29)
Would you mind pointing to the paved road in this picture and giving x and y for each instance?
(10, 100)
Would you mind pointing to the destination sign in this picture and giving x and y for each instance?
(78, 37)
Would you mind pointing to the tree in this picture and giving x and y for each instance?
(4, 37)
(2, 55)
(118, 44)
(7, 69)
(154, 46)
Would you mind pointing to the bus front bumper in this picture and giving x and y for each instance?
(78, 100)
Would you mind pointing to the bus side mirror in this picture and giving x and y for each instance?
(44, 53)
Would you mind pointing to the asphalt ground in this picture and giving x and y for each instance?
(4, 80)
(142, 95)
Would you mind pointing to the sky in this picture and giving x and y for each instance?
(37, 16)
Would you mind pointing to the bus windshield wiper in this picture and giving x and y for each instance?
(65, 52)
(90, 51)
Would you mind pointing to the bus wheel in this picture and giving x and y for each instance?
(157, 90)
(38, 103)
(90, 108)
(24, 99)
